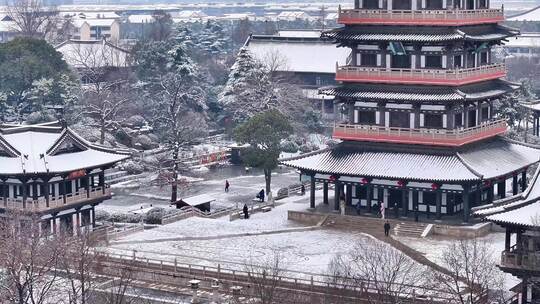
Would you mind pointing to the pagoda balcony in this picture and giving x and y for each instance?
(446, 77)
(520, 260)
(422, 136)
(441, 17)
(55, 202)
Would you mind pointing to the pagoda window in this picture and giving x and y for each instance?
(434, 4)
(457, 61)
(366, 117)
(368, 60)
(371, 4)
(458, 120)
(482, 3)
(483, 58)
(433, 120)
(472, 118)
(401, 62)
(485, 113)
(402, 4)
(400, 120)
(470, 60)
(434, 61)
(469, 4)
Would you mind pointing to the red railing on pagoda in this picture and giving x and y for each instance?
(55, 201)
(439, 137)
(448, 77)
(442, 17)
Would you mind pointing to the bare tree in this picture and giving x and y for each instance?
(28, 259)
(78, 262)
(473, 272)
(32, 19)
(384, 274)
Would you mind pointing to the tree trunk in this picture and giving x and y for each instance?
(102, 133)
(267, 179)
(174, 188)
(526, 127)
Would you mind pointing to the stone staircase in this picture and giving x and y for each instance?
(373, 226)
(409, 229)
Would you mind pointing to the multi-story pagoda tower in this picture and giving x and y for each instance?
(419, 131)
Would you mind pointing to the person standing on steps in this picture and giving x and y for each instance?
(245, 210)
(386, 228)
(227, 185)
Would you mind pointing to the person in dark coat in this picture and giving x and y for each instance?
(386, 228)
(227, 185)
(261, 195)
(303, 189)
(245, 210)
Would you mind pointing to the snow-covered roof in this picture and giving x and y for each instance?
(485, 160)
(141, 19)
(297, 54)
(524, 40)
(91, 15)
(300, 33)
(197, 200)
(8, 26)
(93, 54)
(530, 15)
(294, 15)
(50, 148)
(93, 22)
(190, 14)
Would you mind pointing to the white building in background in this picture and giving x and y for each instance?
(8, 28)
(93, 53)
(293, 16)
(140, 19)
(96, 29)
(526, 45)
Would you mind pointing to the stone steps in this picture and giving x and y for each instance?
(409, 229)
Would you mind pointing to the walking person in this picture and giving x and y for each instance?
(245, 210)
(260, 196)
(358, 206)
(227, 185)
(386, 228)
(303, 189)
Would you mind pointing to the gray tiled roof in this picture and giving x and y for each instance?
(484, 160)
(484, 90)
(420, 34)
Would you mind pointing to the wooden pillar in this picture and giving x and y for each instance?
(325, 193)
(368, 197)
(102, 180)
(490, 193)
(312, 192)
(348, 193)
(54, 223)
(34, 190)
(524, 180)
(46, 190)
(524, 290)
(507, 237)
(515, 188)
(404, 201)
(501, 188)
(337, 194)
(438, 204)
(5, 191)
(466, 203)
(93, 215)
(77, 223)
(87, 181)
(63, 189)
(478, 194)
(24, 191)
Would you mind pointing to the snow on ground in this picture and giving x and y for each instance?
(434, 247)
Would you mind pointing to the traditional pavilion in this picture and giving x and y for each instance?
(419, 131)
(520, 217)
(47, 170)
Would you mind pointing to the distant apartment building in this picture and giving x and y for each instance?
(7, 29)
(96, 29)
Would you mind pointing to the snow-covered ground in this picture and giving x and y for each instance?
(433, 249)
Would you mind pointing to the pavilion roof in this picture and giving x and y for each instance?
(489, 89)
(420, 34)
(50, 148)
(480, 161)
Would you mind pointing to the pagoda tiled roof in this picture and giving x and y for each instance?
(489, 89)
(420, 34)
(520, 210)
(50, 148)
(479, 161)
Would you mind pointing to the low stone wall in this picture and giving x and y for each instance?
(305, 217)
(477, 230)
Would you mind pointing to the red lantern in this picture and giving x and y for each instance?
(364, 181)
(401, 183)
(435, 186)
(487, 183)
(332, 178)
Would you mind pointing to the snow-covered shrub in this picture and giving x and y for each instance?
(154, 215)
(132, 167)
(126, 217)
(40, 117)
(331, 142)
(135, 121)
(102, 215)
(289, 146)
(145, 142)
(308, 147)
(313, 121)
